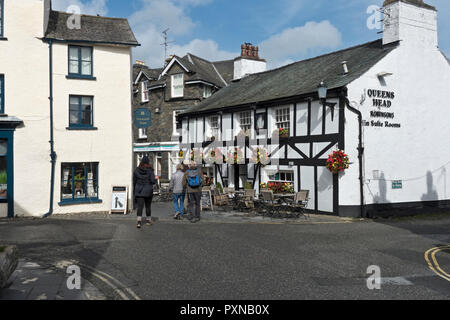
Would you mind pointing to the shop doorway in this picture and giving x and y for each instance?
(6, 174)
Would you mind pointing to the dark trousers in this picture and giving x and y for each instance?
(194, 204)
(148, 206)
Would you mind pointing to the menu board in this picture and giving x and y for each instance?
(206, 201)
(119, 200)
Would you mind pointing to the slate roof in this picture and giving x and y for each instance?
(418, 3)
(297, 78)
(93, 29)
(149, 73)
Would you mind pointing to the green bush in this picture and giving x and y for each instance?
(219, 187)
(248, 185)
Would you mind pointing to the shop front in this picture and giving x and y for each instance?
(7, 128)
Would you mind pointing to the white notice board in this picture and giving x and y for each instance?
(119, 199)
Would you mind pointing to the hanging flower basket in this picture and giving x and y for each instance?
(214, 156)
(338, 162)
(260, 156)
(234, 156)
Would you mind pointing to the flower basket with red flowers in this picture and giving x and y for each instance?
(260, 156)
(281, 133)
(197, 155)
(338, 162)
(235, 156)
(214, 156)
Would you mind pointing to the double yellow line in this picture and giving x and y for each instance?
(430, 257)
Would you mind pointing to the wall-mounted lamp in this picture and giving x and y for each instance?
(157, 110)
(322, 91)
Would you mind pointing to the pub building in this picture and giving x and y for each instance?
(384, 103)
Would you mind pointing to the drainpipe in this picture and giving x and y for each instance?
(52, 149)
(360, 155)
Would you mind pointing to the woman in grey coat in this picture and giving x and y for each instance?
(143, 181)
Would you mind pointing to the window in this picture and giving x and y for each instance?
(144, 97)
(3, 169)
(282, 118)
(207, 91)
(2, 93)
(177, 86)
(175, 124)
(79, 182)
(282, 176)
(80, 61)
(245, 120)
(81, 111)
(142, 133)
(2, 5)
(215, 126)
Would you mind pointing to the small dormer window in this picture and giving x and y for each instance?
(207, 91)
(177, 86)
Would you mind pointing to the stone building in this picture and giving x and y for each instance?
(165, 92)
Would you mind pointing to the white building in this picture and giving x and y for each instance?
(386, 107)
(64, 79)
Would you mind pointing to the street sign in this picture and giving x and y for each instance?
(397, 184)
(142, 118)
(119, 200)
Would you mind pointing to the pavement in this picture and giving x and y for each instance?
(233, 256)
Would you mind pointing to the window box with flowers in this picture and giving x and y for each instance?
(281, 133)
(281, 187)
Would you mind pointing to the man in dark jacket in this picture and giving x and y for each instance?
(143, 181)
(193, 180)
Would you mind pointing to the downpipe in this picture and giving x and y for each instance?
(52, 146)
(360, 155)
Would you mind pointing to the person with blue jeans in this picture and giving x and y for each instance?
(179, 192)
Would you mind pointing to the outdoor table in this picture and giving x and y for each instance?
(283, 197)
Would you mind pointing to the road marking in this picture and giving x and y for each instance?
(433, 264)
(100, 274)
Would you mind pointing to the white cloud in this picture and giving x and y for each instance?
(92, 7)
(294, 43)
(206, 49)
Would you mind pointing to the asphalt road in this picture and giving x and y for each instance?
(220, 260)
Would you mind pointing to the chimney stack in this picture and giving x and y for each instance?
(249, 62)
(412, 22)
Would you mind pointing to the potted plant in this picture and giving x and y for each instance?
(248, 186)
(219, 187)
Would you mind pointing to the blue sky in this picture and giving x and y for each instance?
(285, 30)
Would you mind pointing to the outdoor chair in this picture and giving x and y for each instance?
(247, 201)
(220, 199)
(269, 206)
(300, 203)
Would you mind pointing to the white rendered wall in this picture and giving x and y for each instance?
(244, 66)
(24, 60)
(417, 153)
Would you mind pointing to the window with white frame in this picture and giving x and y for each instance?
(215, 126)
(283, 118)
(177, 85)
(142, 133)
(207, 91)
(144, 97)
(245, 120)
(282, 176)
(176, 125)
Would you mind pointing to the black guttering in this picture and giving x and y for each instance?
(90, 42)
(360, 152)
(52, 149)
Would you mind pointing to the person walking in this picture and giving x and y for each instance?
(143, 181)
(193, 180)
(178, 189)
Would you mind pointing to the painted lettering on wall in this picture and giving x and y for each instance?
(383, 101)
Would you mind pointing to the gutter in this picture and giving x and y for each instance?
(52, 147)
(360, 155)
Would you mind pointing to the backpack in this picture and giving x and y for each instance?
(194, 181)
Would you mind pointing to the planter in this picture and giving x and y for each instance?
(9, 259)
